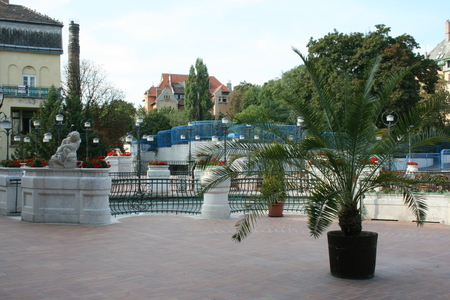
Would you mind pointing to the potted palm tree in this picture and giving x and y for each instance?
(345, 158)
(273, 187)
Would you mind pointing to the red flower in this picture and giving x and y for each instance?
(157, 162)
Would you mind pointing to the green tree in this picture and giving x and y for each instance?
(266, 102)
(157, 120)
(111, 121)
(100, 103)
(353, 54)
(197, 99)
(48, 110)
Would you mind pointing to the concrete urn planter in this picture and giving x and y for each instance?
(215, 200)
(120, 163)
(158, 176)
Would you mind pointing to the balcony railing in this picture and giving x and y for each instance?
(26, 92)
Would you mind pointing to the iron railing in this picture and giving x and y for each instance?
(17, 182)
(244, 192)
(183, 195)
(133, 195)
(32, 92)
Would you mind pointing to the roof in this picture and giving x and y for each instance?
(178, 81)
(19, 13)
(441, 51)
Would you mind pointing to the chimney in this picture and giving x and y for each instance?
(74, 81)
(447, 31)
(229, 86)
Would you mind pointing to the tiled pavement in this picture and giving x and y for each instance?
(186, 257)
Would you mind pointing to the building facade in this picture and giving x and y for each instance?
(170, 93)
(30, 63)
(441, 54)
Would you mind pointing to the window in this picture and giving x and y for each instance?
(447, 63)
(29, 80)
(222, 100)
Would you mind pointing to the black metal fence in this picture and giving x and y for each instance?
(245, 191)
(17, 206)
(130, 194)
(134, 195)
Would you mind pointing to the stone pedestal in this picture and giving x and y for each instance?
(69, 196)
(10, 192)
(120, 163)
(215, 200)
(160, 183)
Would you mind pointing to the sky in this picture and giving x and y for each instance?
(135, 41)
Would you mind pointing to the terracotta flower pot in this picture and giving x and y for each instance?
(276, 210)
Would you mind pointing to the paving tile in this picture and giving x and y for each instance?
(165, 256)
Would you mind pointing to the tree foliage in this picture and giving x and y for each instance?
(48, 110)
(341, 58)
(340, 152)
(197, 99)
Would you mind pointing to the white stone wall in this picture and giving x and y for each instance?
(391, 207)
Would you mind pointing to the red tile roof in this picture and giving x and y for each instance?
(214, 84)
(24, 14)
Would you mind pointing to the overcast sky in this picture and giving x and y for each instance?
(136, 41)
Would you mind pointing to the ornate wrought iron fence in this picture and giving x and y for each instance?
(133, 195)
(182, 195)
(245, 191)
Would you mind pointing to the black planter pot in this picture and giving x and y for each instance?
(352, 257)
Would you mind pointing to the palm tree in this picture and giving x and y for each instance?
(342, 153)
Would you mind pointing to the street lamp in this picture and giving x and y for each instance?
(6, 125)
(249, 129)
(36, 130)
(59, 118)
(389, 119)
(129, 139)
(225, 131)
(300, 121)
(47, 137)
(87, 129)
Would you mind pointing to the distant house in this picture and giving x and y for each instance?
(441, 54)
(170, 93)
(30, 63)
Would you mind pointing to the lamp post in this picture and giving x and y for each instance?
(87, 129)
(249, 129)
(36, 130)
(389, 118)
(300, 121)
(225, 131)
(129, 139)
(6, 125)
(189, 139)
(59, 119)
